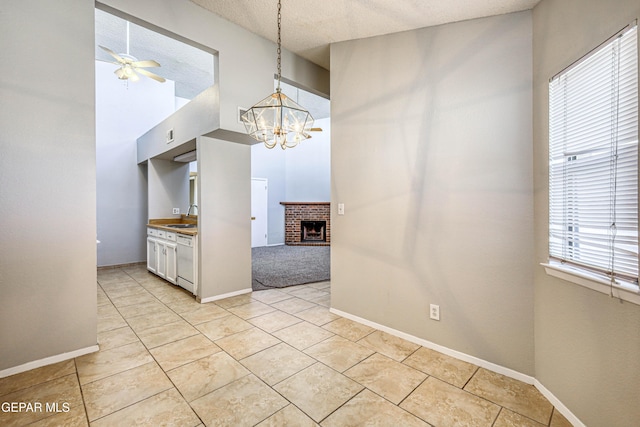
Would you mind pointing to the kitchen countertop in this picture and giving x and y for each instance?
(162, 223)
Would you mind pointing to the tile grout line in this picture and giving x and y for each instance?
(271, 333)
(84, 403)
(174, 386)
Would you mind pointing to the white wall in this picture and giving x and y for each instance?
(168, 188)
(308, 167)
(224, 217)
(47, 182)
(124, 111)
(431, 155)
(587, 344)
(199, 117)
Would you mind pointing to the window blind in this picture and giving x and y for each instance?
(593, 160)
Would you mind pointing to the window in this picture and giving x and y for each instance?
(593, 162)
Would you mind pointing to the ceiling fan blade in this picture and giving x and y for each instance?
(147, 63)
(112, 53)
(150, 75)
(316, 129)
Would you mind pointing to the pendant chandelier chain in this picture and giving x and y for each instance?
(277, 119)
(279, 44)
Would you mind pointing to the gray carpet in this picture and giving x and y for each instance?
(283, 266)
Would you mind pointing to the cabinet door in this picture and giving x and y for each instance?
(152, 255)
(161, 268)
(171, 270)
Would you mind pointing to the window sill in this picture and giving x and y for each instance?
(625, 291)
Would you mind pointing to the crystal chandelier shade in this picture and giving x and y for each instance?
(277, 120)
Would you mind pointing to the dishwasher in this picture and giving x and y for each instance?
(185, 262)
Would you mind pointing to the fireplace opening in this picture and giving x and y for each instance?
(313, 231)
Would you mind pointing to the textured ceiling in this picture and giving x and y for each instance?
(309, 26)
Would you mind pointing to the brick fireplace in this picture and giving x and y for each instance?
(307, 223)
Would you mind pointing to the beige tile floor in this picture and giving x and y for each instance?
(269, 358)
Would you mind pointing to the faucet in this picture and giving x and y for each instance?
(189, 210)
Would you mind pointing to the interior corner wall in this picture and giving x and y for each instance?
(431, 157)
(47, 181)
(587, 345)
(224, 217)
(168, 184)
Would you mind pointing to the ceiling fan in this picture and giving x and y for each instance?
(130, 66)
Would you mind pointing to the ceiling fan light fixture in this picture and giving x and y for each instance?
(129, 65)
(277, 120)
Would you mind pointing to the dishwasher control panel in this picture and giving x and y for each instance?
(185, 240)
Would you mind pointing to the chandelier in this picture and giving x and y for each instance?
(277, 120)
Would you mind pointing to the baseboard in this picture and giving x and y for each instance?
(471, 359)
(433, 346)
(115, 266)
(223, 296)
(575, 421)
(48, 361)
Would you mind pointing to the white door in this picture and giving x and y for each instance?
(259, 190)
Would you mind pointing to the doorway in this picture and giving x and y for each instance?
(259, 199)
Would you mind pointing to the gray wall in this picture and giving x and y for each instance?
(47, 180)
(431, 155)
(224, 217)
(587, 344)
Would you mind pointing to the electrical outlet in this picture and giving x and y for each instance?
(176, 211)
(434, 311)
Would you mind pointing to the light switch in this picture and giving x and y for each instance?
(340, 208)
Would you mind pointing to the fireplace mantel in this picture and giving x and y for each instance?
(305, 203)
(296, 212)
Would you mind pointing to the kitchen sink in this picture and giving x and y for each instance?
(181, 225)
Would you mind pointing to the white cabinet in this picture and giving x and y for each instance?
(161, 254)
(167, 260)
(152, 255)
